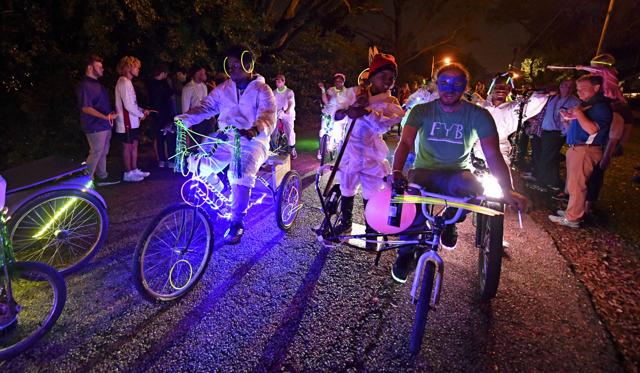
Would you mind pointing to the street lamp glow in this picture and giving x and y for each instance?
(447, 60)
(515, 76)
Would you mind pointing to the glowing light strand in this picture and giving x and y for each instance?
(59, 213)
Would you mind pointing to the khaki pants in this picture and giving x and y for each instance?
(581, 160)
(98, 151)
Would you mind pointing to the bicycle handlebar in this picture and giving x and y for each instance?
(444, 199)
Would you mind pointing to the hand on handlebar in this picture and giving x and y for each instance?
(517, 201)
(355, 112)
(398, 181)
(249, 134)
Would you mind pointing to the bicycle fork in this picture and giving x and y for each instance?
(428, 256)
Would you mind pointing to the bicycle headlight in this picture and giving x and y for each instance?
(491, 186)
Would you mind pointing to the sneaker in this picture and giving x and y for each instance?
(132, 177)
(449, 238)
(294, 154)
(141, 173)
(561, 220)
(561, 213)
(162, 164)
(171, 165)
(233, 235)
(343, 228)
(103, 181)
(401, 267)
(553, 189)
(561, 197)
(528, 177)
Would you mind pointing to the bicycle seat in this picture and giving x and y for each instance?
(39, 172)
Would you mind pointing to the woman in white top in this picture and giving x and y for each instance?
(129, 117)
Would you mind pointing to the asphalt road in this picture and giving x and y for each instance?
(283, 302)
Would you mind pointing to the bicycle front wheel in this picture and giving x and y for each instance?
(40, 294)
(173, 252)
(490, 254)
(422, 308)
(288, 200)
(63, 228)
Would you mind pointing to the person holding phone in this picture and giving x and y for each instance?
(587, 135)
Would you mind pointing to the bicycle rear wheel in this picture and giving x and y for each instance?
(422, 308)
(173, 252)
(40, 292)
(63, 228)
(491, 250)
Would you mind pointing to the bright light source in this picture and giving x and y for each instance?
(515, 76)
(447, 60)
(491, 186)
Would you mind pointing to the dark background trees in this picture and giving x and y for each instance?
(44, 45)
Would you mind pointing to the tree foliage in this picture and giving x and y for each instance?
(44, 44)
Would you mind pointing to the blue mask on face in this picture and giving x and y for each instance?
(448, 83)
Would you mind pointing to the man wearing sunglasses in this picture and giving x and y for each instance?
(444, 132)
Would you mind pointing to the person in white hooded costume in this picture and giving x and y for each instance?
(334, 98)
(364, 162)
(286, 106)
(505, 114)
(247, 103)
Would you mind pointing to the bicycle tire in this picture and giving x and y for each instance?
(60, 245)
(38, 273)
(490, 253)
(289, 196)
(323, 149)
(143, 253)
(422, 308)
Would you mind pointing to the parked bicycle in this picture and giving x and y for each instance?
(176, 246)
(32, 296)
(427, 281)
(56, 216)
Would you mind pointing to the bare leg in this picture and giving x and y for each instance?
(134, 155)
(126, 156)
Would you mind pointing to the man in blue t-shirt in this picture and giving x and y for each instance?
(444, 132)
(96, 119)
(588, 132)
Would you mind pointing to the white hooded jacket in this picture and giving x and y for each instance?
(421, 96)
(286, 100)
(506, 117)
(366, 150)
(256, 106)
(338, 99)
